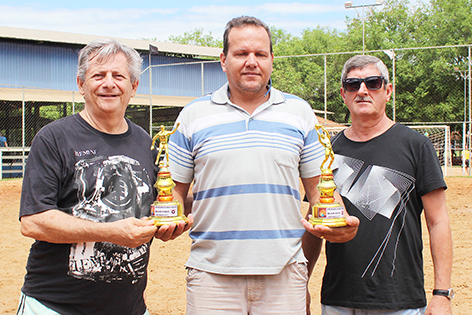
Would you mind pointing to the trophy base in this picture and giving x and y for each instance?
(160, 221)
(167, 212)
(338, 222)
(328, 214)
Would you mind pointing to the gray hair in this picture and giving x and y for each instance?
(104, 49)
(362, 61)
(243, 21)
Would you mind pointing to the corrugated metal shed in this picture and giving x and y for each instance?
(83, 39)
(48, 60)
(38, 79)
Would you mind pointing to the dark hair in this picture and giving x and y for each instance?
(241, 22)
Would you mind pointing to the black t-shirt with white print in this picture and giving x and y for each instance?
(381, 182)
(79, 170)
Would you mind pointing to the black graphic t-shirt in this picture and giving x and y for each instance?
(95, 176)
(381, 182)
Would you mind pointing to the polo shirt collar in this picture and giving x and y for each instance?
(221, 96)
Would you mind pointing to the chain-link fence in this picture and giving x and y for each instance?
(432, 89)
(25, 110)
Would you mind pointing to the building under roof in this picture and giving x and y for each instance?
(83, 39)
(38, 70)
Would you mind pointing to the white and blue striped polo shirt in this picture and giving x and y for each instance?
(246, 171)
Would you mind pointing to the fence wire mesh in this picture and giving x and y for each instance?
(431, 88)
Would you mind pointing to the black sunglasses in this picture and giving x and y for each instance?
(372, 83)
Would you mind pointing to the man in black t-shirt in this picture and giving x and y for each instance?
(86, 193)
(387, 175)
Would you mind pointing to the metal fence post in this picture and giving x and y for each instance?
(23, 120)
(203, 80)
(325, 90)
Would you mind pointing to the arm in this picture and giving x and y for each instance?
(175, 129)
(180, 193)
(311, 243)
(437, 221)
(55, 226)
(311, 248)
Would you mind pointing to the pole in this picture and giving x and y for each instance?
(23, 118)
(394, 86)
(150, 95)
(464, 129)
(203, 79)
(363, 30)
(464, 77)
(325, 91)
(470, 110)
(348, 5)
(447, 148)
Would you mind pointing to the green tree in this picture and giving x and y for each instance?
(198, 38)
(446, 22)
(427, 89)
(299, 67)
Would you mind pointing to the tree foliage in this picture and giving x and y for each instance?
(198, 38)
(427, 88)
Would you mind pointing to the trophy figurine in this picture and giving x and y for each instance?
(165, 209)
(327, 211)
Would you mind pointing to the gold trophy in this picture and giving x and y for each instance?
(327, 211)
(165, 210)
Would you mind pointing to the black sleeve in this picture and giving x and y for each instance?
(42, 176)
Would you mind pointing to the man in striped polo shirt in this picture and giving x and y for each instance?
(245, 147)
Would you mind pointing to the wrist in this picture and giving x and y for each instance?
(449, 293)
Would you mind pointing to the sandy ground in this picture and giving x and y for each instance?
(166, 287)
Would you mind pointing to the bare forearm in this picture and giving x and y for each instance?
(440, 236)
(442, 254)
(311, 244)
(55, 226)
(312, 248)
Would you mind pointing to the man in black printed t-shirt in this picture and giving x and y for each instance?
(87, 191)
(388, 173)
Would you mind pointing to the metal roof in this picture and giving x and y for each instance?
(84, 39)
(39, 95)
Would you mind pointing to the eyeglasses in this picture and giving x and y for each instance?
(372, 83)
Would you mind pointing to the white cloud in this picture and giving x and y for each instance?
(300, 8)
(161, 23)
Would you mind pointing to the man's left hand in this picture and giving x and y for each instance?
(334, 234)
(172, 231)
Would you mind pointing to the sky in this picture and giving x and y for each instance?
(159, 19)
